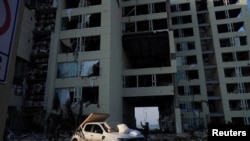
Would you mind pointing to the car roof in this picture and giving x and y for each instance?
(94, 117)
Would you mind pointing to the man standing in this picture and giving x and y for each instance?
(145, 129)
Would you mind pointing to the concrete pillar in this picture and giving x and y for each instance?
(178, 124)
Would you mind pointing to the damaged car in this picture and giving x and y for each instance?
(96, 128)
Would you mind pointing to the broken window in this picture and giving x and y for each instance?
(160, 7)
(240, 120)
(90, 95)
(150, 8)
(204, 31)
(145, 81)
(90, 20)
(238, 56)
(71, 3)
(207, 44)
(224, 2)
(186, 60)
(141, 9)
(91, 43)
(129, 81)
(197, 106)
(63, 98)
(72, 98)
(147, 50)
(128, 11)
(233, 41)
(243, 104)
(69, 45)
(185, 46)
(245, 71)
(142, 26)
(180, 7)
(230, 27)
(181, 75)
(184, 32)
(208, 59)
(66, 98)
(192, 74)
(237, 71)
(180, 60)
(181, 90)
(67, 69)
(160, 24)
(191, 60)
(195, 90)
(226, 14)
(81, 21)
(203, 18)
(181, 20)
(95, 20)
(84, 21)
(246, 87)
(186, 106)
(242, 56)
(229, 72)
(235, 88)
(90, 68)
(228, 57)
(201, 5)
(144, 9)
(163, 79)
(70, 23)
(233, 72)
(212, 89)
(211, 74)
(184, 90)
(128, 27)
(73, 45)
(65, 95)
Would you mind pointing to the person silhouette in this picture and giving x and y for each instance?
(145, 129)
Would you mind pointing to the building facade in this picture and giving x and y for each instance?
(207, 34)
(105, 66)
(189, 58)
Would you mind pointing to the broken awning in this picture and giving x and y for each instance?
(94, 117)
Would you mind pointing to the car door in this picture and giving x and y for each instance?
(97, 133)
(88, 132)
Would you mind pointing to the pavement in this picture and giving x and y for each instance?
(195, 136)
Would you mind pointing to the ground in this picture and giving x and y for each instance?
(197, 136)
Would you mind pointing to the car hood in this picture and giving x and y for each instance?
(94, 117)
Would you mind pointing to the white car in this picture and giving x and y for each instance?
(94, 128)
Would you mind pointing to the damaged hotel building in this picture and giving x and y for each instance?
(189, 58)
